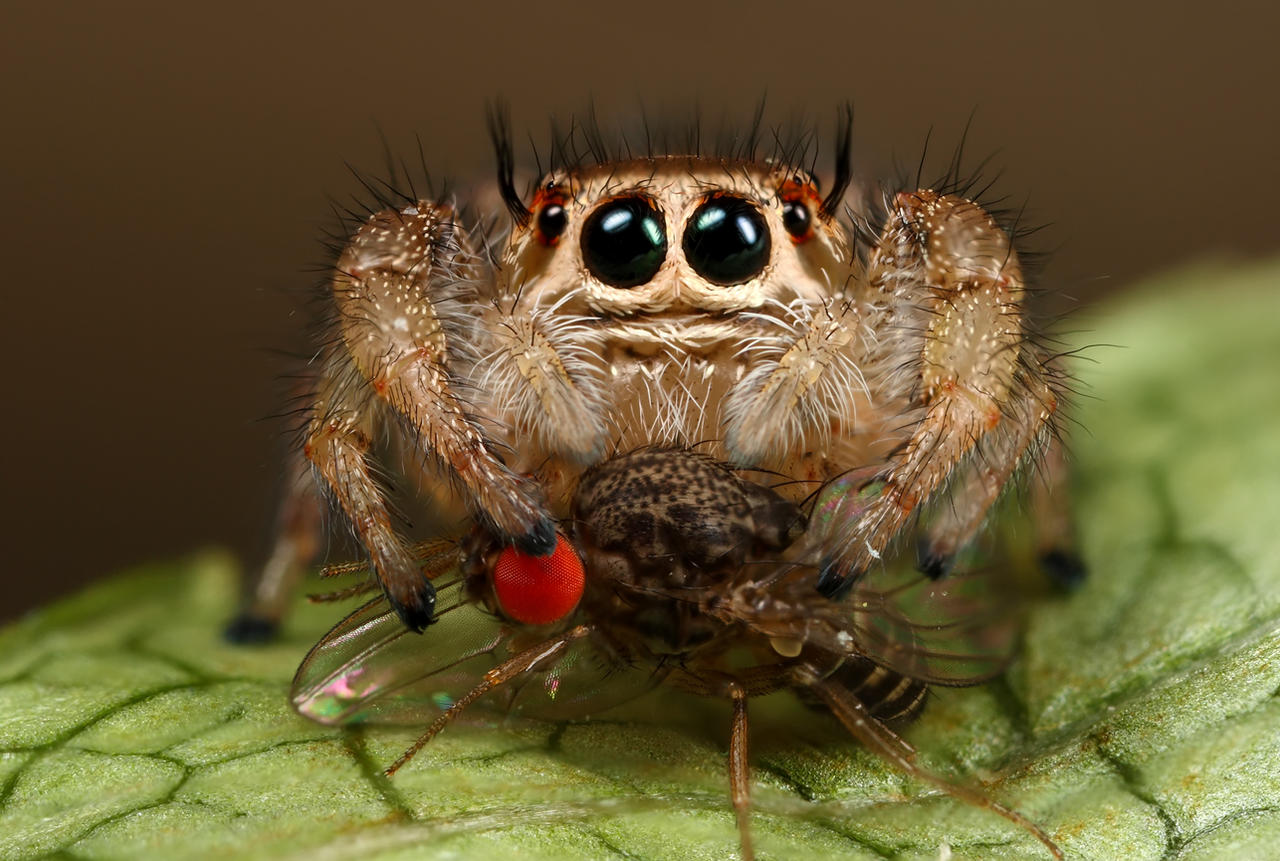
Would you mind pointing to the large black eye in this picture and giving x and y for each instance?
(625, 241)
(726, 240)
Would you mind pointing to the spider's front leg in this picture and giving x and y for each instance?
(299, 533)
(947, 287)
(404, 292)
(978, 483)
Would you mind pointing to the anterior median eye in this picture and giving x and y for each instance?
(726, 240)
(625, 241)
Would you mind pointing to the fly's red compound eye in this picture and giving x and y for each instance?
(538, 590)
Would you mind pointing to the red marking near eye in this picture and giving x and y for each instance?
(539, 590)
(793, 190)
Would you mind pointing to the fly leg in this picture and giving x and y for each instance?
(509, 670)
(885, 743)
(740, 772)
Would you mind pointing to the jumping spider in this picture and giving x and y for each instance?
(651, 328)
(671, 300)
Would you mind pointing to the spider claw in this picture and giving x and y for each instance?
(248, 629)
(835, 582)
(417, 610)
(932, 564)
(540, 540)
(1065, 569)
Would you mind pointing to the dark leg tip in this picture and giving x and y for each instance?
(933, 565)
(247, 629)
(539, 541)
(834, 582)
(418, 612)
(1064, 569)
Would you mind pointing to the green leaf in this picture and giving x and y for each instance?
(1140, 722)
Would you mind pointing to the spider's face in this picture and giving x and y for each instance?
(672, 238)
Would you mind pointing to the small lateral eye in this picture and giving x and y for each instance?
(625, 241)
(797, 219)
(538, 590)
(552, 220)
(726, 240)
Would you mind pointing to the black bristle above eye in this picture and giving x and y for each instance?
(844, 163)
(584, 143)
(500, 135)
(584, 140)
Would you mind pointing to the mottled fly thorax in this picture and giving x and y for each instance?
(666, 536)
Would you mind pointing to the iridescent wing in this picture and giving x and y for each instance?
(370, 668)
(586, 681)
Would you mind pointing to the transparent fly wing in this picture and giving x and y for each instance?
(956, 631)
(369, 667)
(586, 681)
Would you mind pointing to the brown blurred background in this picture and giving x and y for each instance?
(166, 169)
